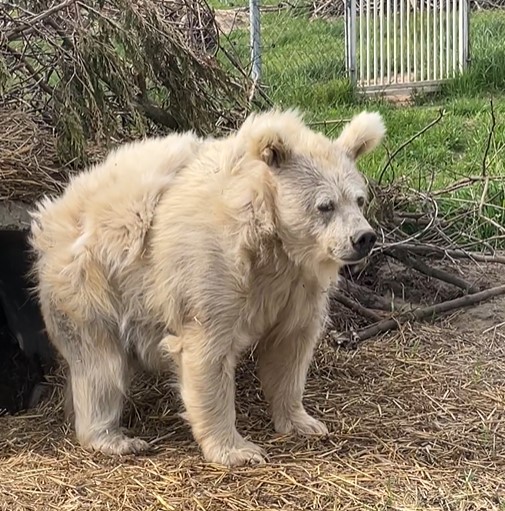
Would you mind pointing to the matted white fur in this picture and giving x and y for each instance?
(181, 252)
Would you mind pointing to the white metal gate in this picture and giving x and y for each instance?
(399, 45)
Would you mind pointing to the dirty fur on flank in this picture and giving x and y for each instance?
(181, 253)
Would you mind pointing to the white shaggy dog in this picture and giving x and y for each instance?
(185, 252)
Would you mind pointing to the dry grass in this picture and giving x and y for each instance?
(23, 142)
(29, 166)
(29, 162)
(417, 422)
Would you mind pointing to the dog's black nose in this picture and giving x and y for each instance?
(363, 242)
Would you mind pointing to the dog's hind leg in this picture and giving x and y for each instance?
(99, 377)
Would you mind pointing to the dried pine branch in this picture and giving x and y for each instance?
(78, 68)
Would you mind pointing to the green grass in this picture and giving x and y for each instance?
(297, 54)
(487, 70)
(303, 66)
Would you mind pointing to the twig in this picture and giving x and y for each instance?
(432, 250)
(67, 43)
(238, 66)
(417, 314)
(18, 56)
(436, 273)
(489, 138)
(355, 306)
(441, 113)
(156, 114)
(494, 223)
(466, 181)
(483, 195)
(328, 122)
(101, 16)
(476, 241)
(418, 234)
(13, 34)
(252, 91)
(372, 300)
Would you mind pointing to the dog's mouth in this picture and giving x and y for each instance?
(348, 259)
(350, 262)
(351, 257)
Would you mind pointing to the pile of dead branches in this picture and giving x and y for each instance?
(196, 21)
(86, 74)
(430, 241)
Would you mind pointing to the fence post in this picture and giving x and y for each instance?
(255, 39)
(466, 55)
(350, 38)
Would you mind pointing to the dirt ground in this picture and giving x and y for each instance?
(416, 419)
(231, 19)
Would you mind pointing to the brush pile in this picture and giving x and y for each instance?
(77, 76)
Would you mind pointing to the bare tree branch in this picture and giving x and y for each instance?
(489, 138)
(29, 24)
(441, 253)
(436, 273)
(417, 314)
(355, 306)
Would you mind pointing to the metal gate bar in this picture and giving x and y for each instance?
(405, 44)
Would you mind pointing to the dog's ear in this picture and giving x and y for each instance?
(363, 134)
(271, 137)
(273, 150)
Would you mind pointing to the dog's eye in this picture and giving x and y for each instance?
(360, 201)
(326, 207)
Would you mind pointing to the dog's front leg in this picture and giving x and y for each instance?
(283, 362)
(207, 376)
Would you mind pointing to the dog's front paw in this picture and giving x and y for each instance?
(117, 443)
(300, 423)
(240, 453)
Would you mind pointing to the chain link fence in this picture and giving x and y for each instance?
(296, 49)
